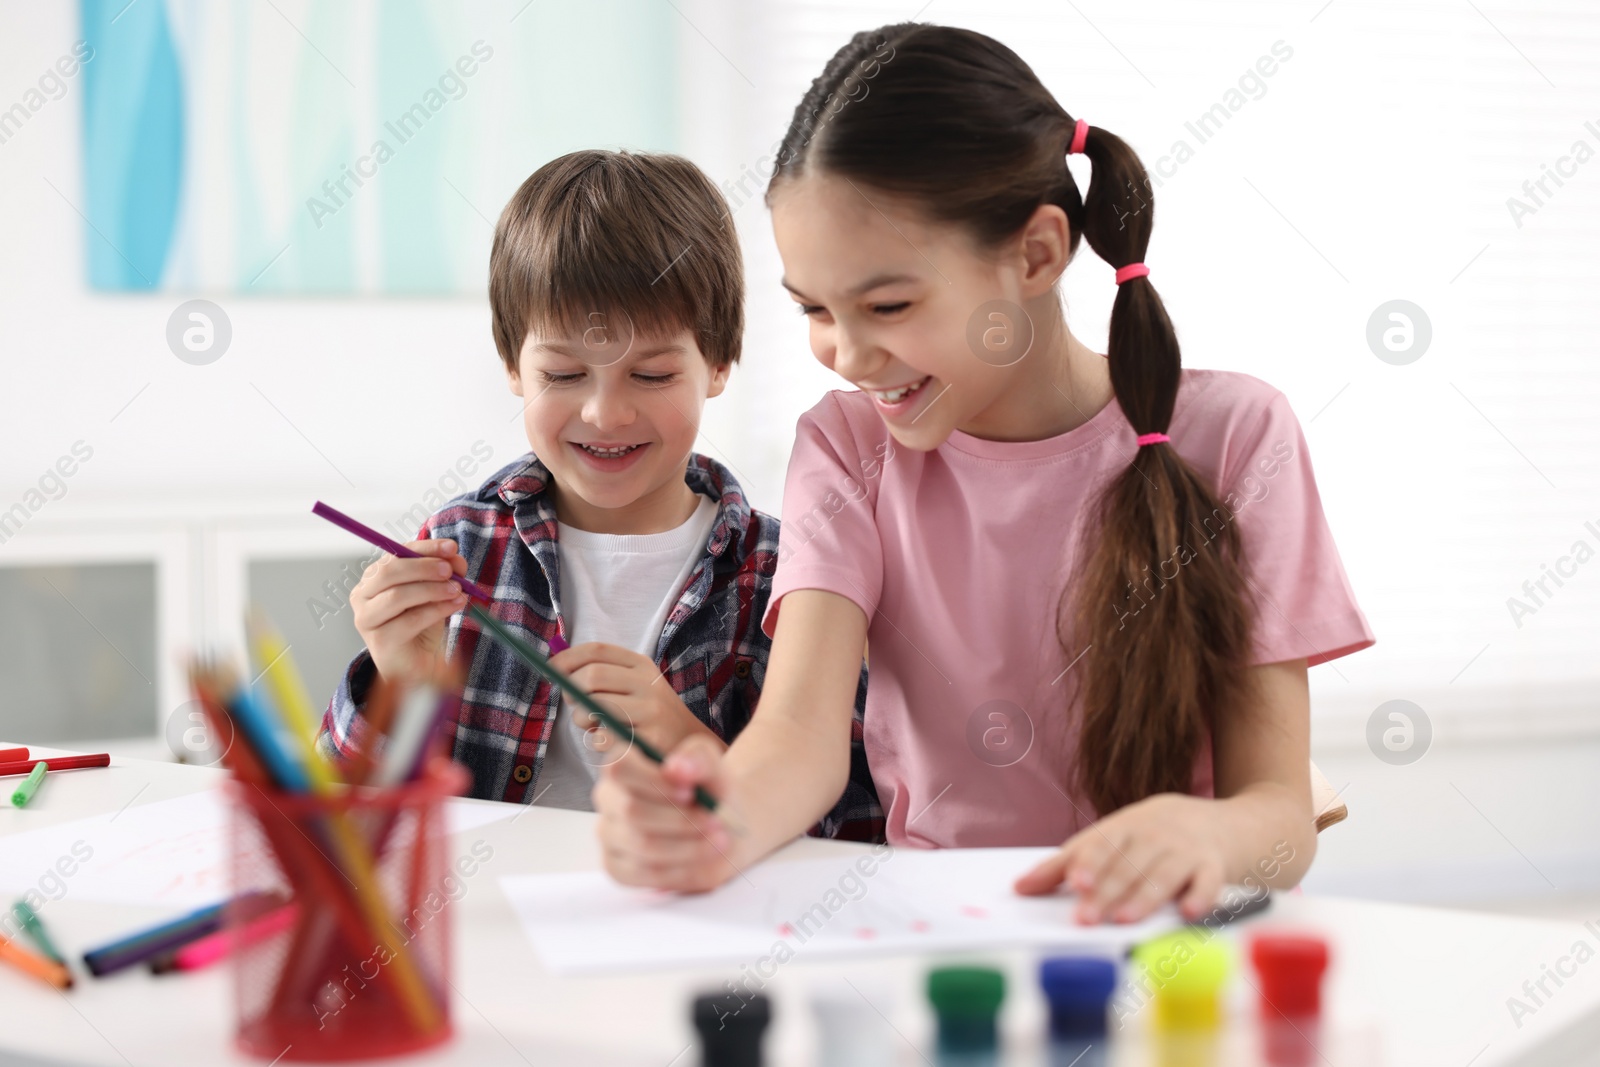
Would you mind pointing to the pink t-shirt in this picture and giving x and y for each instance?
(959, 557)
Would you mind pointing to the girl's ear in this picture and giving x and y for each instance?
(1046, 247)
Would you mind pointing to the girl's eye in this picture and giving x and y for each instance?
(890, 309)
(808, 309)
(559, 379)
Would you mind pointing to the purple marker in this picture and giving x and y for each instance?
(393, 547)
(558, 643)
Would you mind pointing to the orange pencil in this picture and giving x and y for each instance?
(383, 699)
(45, 970)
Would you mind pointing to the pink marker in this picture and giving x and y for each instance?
(217, 946)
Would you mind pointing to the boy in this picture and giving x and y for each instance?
(616, 290)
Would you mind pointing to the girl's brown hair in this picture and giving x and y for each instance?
(958, 124)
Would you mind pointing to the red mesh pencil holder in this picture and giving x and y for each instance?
(363, 969)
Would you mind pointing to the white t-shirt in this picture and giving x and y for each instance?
(616, 588)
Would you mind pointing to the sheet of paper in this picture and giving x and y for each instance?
(171, 852)
(909, 900)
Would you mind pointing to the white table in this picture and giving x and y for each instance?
(1410, 986)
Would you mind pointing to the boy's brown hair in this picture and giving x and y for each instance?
(617, 239)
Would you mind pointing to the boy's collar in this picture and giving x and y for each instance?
(703, 474)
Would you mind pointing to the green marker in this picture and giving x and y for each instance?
(35, 931)
(30, 785)
(531, 657)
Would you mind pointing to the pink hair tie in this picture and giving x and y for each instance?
(1131, 271)
(1153, 439)
(1080, 134)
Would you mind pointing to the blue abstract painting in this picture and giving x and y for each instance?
(345, 146)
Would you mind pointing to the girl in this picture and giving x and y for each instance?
(1091, 585)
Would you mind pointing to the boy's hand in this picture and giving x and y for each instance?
(1138, 858)
(651, 831)
(400, 607)
(633, 687)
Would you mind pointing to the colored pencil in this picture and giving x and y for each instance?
(572, 689)
(32, 963)
(355, 863)
(254, 723)
(34, 928)
(288, 692)
(11, 755)
(297, 853)
(29, 785)
(57, 763)
(389, 544)
(413, 726)
(383, 700)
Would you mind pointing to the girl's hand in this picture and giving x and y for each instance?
(651, 831)
(1138, 858)
(400, 607)
(633, 687)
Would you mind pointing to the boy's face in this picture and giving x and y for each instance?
(614, 417)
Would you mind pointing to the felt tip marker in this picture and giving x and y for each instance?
(34, 928)
(32, 963)
(57, 763)
(389, 545)
(30, 785)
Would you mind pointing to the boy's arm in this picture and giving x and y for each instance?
(341, 736)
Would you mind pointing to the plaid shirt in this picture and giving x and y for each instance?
(712, 650)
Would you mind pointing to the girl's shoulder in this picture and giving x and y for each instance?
(1228, 407)
(847, 420)
(1223, 394)
(1224, 422)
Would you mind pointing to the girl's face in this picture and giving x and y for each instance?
(911, 311)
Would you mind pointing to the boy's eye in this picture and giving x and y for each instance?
(559, 379)
(656, 379)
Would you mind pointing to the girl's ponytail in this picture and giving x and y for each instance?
(957, 123)
(1160, 604)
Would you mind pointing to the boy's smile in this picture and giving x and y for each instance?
(614, 418)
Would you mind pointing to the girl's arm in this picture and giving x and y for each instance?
(1260, 829)
(777, 779)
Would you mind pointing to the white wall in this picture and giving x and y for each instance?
(1377, 165)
